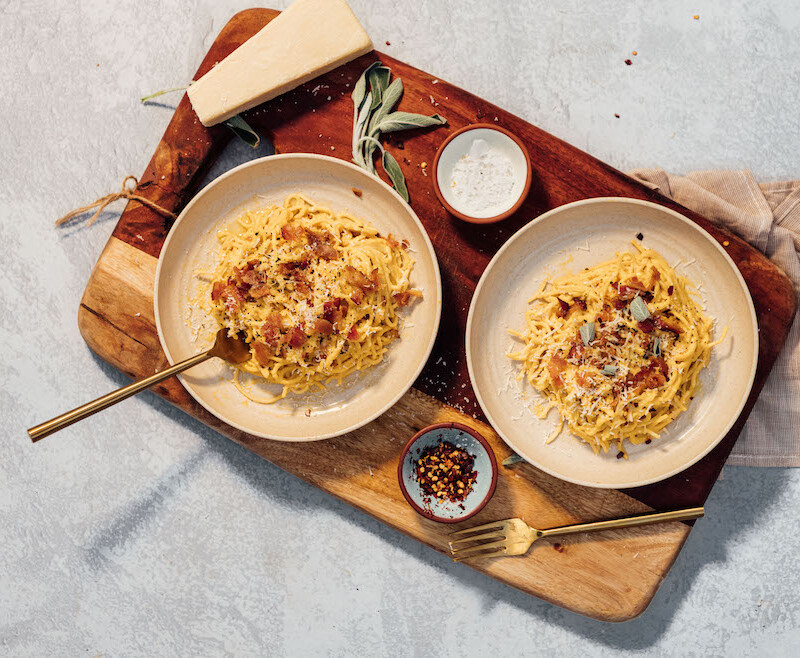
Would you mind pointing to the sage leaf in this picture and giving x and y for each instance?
(378, 82)
(395, 175)
(391, 97)
(587, 333)
(243, 131)
(358, 130)
(144, 99)
(408, 120)
(609, 370)
(639, 309)
(513, 459)
(657, 346)
(360, 88)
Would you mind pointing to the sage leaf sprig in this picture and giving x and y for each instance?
(239, 126)
(243, 131)
(144, 99)
(374, 98)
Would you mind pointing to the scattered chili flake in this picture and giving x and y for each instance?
(558, 547)
(696, 17)
(628, 62)
(616, 115)
(446, 472)
(357, 192)
(639, 237)
(634, 53)
(388, 44)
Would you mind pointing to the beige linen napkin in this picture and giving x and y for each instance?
(766, 215)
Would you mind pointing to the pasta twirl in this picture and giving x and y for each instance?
(616, 348)
(315, 293)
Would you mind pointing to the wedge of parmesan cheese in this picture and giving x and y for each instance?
(308, 39)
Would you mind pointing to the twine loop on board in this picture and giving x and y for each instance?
(125, 192)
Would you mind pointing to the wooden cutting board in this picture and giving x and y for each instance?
(612, 576)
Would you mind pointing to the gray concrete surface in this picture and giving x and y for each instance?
(141, 532)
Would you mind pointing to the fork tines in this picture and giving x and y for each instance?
(488, 540)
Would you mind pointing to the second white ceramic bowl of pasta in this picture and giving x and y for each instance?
(577, 236)
(191, 252)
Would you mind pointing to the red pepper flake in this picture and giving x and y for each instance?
(446, 472)
(628, 62)
(559, 547)
(616, 115)
(357, 192)
(670, 290)
(388, 44)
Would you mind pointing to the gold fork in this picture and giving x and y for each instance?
(514, 536)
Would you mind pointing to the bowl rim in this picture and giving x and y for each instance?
(197, 199)
(474, 434)
(525, 190)
(603, 201)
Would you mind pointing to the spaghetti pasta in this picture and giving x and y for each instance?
(315, 293)
(616, 348)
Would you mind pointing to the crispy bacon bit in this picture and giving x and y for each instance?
(357, 296)
(392, 242)
(375, 278)
(297, 337)
(259, 290)
(232, 298)
(392, 333)
(627, 293)
(663, 323)
(577, 350)
(647, 326)
(585, 380)
(323, 327)
(670, 290)
(353, 333)
(402, 298)
(636, 283)
(302, 287)
(357, 279)
(653, 375)
(292, 232)
(581, 303)
(321, 244)
(655, 275)
(334, 311)
(251, 277)
(271, 330)
(404, 244)
(620, 303)
(563, 308)
(555, 367)
(216, 290)
(262, 353)
(357, 192)
(290, 267)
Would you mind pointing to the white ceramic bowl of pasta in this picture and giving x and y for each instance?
(592, 231)
(191, 248)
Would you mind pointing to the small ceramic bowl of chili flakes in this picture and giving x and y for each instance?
(447, 472)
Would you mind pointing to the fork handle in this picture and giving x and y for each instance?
(64, 420)
(644, 519)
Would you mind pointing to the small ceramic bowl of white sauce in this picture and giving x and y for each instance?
(482, 173)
